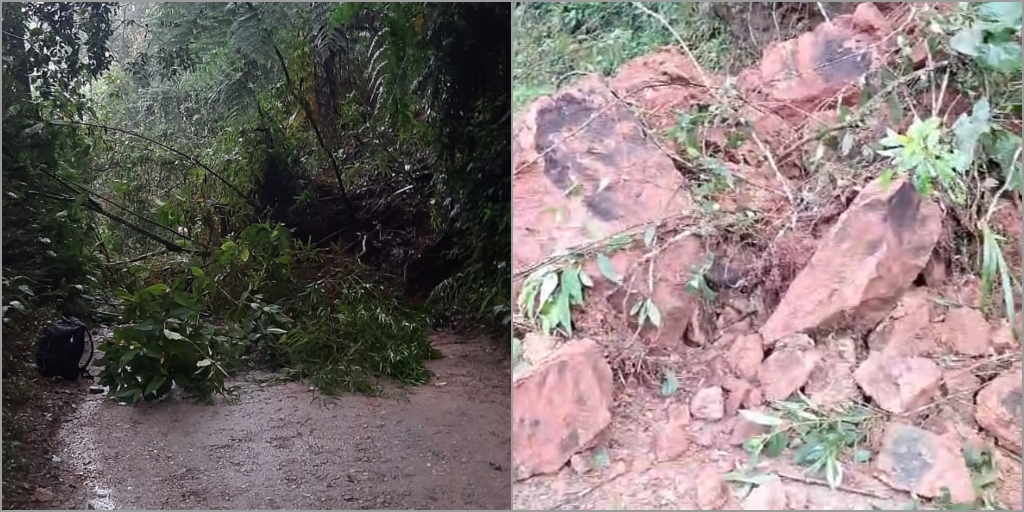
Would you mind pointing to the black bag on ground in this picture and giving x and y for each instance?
(60, 349)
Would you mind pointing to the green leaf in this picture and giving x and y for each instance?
(862, 456)
(599, 457)
(517, 348)
(572, 286)
(245, 254)
(607, 269)
(754, 479)
(669, 383)
(1003, 15)
(776, 444)
(171, 335)
(761, 418)
(967, 41)
(155, 384)
(847, 144)
(548, 287)
(228, 245)
(127, 357)
(156, 289)
(653, 313)
(649, 235)
(198, 272)
(585, 279)
(1002, 57)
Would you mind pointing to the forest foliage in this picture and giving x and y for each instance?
(297, 185)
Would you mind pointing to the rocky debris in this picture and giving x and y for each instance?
(740, 394)
(673, 270)
(708, 404)
(44, 495)
(908, 331)
(898, 384)
(775, 495)
(831, 383)
(998, 409)
(819, 66)
(1003, 339)
(745, 355)
(537, 346)
(935, 272)
(867, 261)
(966, 331)
(560, 407)
(672, 440)
(581, 463)
(1009, 486)
(659, 84)
(743, 429)
(788, 368)
(915, 460)
(712, 491)
(959, 381)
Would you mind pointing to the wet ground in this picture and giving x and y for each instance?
(444, 445)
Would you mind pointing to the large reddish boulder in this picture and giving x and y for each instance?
(867, 261)
(998, 409)
(915, 460)
(899, 384)
(583, 170)
(559, 408)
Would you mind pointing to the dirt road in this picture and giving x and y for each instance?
(443, 445)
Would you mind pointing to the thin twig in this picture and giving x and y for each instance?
(844, 488)
(191, 159)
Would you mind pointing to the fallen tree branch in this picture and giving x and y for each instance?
(193, 160)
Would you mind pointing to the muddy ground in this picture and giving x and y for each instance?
(827, 286)
(443, 445)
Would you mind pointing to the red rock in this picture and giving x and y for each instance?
(1009, 485)
(867, 261)
(1003, 339)
(915, 460)
(998, 409)
(738, 392)
(673, 270)
(560, 407)
(935, 272)
(537, 346)
(831, 383)
(788, 368)
(743, 429)
(708, 404)
(908, 331)
(672, 440)
(754, 398)
(867, 19)
(899, 384)
(775, 495)
(818, 66)
(745, 355)
(966, 331)
(582, 138)
(959, 381)
(712, 491)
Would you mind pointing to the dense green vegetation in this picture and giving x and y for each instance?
(304, 186)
